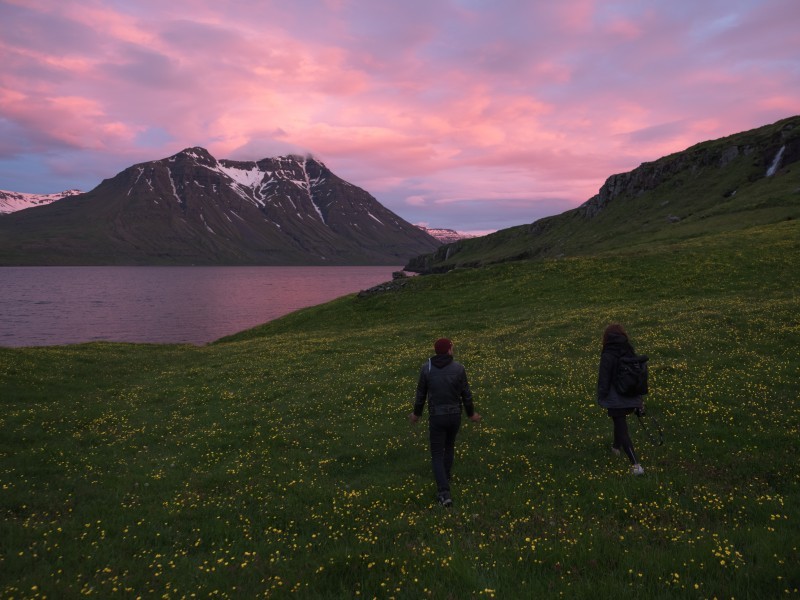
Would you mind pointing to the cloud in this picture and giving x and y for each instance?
(44, 122)
(448, 111)
(416, 200)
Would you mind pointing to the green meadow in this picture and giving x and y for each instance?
(280, 462)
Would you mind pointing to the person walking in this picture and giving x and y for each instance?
(615, 346)
(443, 383)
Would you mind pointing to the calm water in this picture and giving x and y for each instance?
(43, 306)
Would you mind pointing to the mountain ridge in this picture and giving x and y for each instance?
(190, 208)
(445, 235)
(748, 178)
(14, 201)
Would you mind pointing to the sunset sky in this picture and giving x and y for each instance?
(470, 114)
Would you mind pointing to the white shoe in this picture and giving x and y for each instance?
(637, 469)
(616, 451)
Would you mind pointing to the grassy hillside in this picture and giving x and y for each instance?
(716, 186)
(280, 462)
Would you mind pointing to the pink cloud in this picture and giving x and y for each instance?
(624, 29)
(66, 120)
(429, 103)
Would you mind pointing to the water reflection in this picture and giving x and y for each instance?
(64, 305)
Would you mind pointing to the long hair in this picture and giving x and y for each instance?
(614, 328)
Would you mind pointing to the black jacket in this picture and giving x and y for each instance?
(443, 382)
(607, 394)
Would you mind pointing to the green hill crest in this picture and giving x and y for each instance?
(746, 179)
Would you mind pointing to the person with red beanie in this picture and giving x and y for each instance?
(443, 383)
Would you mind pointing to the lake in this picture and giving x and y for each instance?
(44, 306)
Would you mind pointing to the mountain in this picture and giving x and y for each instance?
(446, 236)
(191, 208)
(14, 201)
(750, 178)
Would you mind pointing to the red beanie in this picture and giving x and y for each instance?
(442, 346)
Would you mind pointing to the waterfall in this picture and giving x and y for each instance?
(776, 162)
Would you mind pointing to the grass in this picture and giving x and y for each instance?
(683, 196)
(280, 462)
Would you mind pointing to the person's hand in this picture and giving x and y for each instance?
(413, 418)
(475, 418)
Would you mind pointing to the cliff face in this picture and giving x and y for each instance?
(767, 153)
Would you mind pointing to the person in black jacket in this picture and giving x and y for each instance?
(443, 382)
(615, 346)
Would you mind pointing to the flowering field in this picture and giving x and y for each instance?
(281, 463)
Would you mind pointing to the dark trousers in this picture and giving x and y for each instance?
(443, 431)
(622, 439)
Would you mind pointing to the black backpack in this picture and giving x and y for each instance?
(631, 379)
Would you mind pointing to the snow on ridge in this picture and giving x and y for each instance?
(193, 152)
(203, 218)
(172, 183)
(259, 193)
(310, 197)
(13, 201)
(374, 217)
(244, 180)
(141, 170)
(248, 178)
(290, 158)
(237, 188)
(445, 236)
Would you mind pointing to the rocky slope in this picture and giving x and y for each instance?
(191, 208)
(741, 180)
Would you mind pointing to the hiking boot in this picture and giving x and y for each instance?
(445, 500)
(616, 451)
(637, 469)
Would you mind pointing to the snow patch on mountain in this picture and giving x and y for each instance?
(308, 189)
(141, 170)
(446, 236)
(172, 183)
(248, 178)
(13, 201)
(276, 210)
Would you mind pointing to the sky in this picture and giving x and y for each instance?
(474, 115)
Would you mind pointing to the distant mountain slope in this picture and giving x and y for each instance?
(745, 179)
(191, 208)
(14, 201)
(445, 236)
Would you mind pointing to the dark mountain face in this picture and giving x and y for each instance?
(191, 208)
